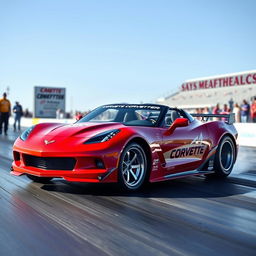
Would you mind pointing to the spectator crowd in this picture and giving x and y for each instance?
(244, 112)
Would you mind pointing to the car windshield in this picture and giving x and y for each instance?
(128, 114)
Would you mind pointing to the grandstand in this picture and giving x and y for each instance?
(208, 91)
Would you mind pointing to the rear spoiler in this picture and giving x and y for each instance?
(230, 118)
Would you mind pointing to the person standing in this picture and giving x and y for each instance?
(237, 111)
(18, 112)
(216, 111)
(245, 112)
(253, 111)
(231, 104)
(5, 111)
(207, 110)
(225, 111)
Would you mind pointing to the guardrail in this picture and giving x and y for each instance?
(246, 131)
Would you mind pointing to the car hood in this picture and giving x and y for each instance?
(85, 130)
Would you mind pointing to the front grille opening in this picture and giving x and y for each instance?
(16, 156)
(50, 163)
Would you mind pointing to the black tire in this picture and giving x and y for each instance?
(132, 169)
(39, 179)
(224, 158)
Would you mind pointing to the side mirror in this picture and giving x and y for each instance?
(179, 122)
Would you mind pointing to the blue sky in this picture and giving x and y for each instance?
(120, 51)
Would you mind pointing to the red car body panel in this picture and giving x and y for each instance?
(172, 152)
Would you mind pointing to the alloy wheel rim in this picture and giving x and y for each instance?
(133, 167)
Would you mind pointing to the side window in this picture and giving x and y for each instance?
(150, 115)
(147, 116)
(170, 117)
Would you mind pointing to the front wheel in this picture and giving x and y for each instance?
(39, 179)
(132, 167)
(225, 157)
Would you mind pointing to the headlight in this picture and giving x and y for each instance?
(102, 137)
(25, 134)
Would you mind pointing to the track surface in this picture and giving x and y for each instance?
(190, 216)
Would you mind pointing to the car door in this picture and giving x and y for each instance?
(184, 143)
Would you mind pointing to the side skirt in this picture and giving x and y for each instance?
(187, 173)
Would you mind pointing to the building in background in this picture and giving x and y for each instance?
(208, 91)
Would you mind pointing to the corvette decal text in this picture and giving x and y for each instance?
(188, 151)
(195, 149)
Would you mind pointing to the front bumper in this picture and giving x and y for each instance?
(85, 168)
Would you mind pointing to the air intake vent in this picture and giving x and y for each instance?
(50, 163)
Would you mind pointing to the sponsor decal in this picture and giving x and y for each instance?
(198, 139)
(155, 164)
(155, 148)
(188, 151)
(133, 106)
(194, 150)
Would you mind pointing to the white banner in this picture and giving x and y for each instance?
(47, 100)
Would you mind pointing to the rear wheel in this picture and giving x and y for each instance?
(39, 179)
(132, 167)
(224, 158)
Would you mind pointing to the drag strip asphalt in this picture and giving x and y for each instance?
(189, 216)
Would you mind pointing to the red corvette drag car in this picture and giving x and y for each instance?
(129, 144)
